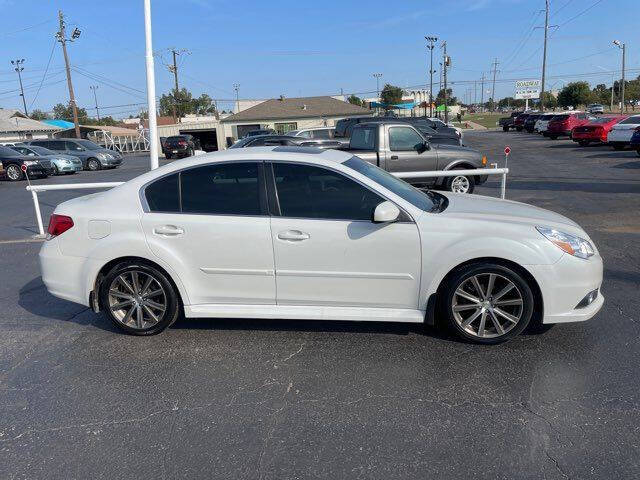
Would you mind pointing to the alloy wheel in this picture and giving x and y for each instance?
(487, 305)
(137, 300)
(14, 173)
(460, 184)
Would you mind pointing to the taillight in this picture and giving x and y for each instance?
(58, 224)
(183, 143)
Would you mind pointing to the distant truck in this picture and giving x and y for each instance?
(397, 146)
(508, 122)
(436, 130)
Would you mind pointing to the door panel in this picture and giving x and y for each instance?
(346, 263)
(403, 156)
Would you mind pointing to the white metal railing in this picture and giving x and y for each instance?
(136, 141)
(34, 189)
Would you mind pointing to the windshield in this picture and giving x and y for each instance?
(243, 142)
(631, 120)
(428, 202)
(88, 144)
(8, 152)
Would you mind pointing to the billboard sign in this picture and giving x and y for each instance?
(526, 89)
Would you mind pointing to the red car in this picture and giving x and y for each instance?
(563, 124)
(595, 131)
(518, 123)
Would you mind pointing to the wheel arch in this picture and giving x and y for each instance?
(94, 300)
(538, 312)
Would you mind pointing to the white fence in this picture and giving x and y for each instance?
(34, 189)
(137, 141)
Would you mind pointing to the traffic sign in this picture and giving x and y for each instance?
(507, 150)
(23, 168)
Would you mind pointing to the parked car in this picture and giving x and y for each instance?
(530, 123)
(595, 108)
(260, 131)
(620, 134)
(542, 122)
(508, 122)
(92, 155)
(315, 235)
(180, 146)
(12, 163)
(443, 133)
(518, 122)
(635, 140)
(285, 140)
(399, 147)
(595, 131)
(323, 133)
(60, 163)
(442, 137)
(562, 125)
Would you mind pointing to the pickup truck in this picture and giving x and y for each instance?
(435, 130)
(508, 122)
(400, 147)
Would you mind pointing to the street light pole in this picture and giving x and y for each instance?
(95, 97)
(236, 86)
(431, 41)
(377, 77)
(622, 47)
(19, 68)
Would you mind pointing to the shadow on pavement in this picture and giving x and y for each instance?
(628, 165)
(576, 187)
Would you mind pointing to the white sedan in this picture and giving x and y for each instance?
(620, 134)
(301, 233)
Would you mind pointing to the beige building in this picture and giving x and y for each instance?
(15, 126)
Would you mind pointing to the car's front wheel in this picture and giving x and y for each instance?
(55, 170)
(460, 184)
(139, 298)
(14, 173)
(93, 164)
(487, 303)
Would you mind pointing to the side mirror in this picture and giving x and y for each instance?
(386, 212)
(423, 147)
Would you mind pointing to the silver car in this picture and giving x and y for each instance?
(60, 163)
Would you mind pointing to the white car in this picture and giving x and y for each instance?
(324, 133)
(620, 134)
(295, 233)
(543, 122)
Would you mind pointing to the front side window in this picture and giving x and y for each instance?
(311, 192)
(404, 139)
(225, 189)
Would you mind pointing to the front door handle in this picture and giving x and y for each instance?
(168, 230)
(394, 157)
(293, 235)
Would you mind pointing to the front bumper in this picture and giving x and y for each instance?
(565, 283)
(111, 162)
(68, 168)
(38, 171)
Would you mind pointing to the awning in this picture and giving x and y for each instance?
(405, 106)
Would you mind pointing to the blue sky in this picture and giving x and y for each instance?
(306, 48)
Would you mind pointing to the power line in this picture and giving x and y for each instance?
(581, 13)
(53, 47)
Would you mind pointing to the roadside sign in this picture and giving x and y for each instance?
(526, 89)
(507, 150)
(23, 168)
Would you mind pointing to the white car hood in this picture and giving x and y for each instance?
(478, 207)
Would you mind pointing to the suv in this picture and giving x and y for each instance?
(595, 108)
(180, 146)
(324, 133)
(93, 156)
(561, 125)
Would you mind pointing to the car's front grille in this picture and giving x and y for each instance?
(45, 163)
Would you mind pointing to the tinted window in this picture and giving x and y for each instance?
(632, 120)
(74, 147)
(227, 189)
(306, 134)
(88, 144)
(163, 195)
(55, 145)
(404, 138)
(311, 192)
(321, 134)
(8, 152)
(363, 138)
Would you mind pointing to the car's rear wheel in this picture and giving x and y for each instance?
(139, 298)
(505, 129)
(460, 184)
(14, 173)
(93, 164)
(487, 303)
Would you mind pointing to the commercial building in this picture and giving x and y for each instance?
(15, 126)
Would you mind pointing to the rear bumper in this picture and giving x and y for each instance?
(62, 274)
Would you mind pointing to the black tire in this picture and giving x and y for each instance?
(519, 129)
(505, 129)
(167, 156)
(638, 152)
(55, 170)
(617, 146)
(93, 164)
(553, 137)
(14, 173)
(452, 182)
(502, 276)
(170, 297)
(583, 143)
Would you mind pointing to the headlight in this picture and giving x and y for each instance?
(573, 245)
(102, 156)
(29, 163)
(63, 161)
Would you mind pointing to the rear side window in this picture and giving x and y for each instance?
(305, 191)
(226, 189)
(363, 138)
(164, 195)
(72, 146)
(321, 134)
(55, 145)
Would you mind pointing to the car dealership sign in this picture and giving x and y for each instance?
(527, 89)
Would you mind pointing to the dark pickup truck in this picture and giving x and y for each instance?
(508, 122)
(397, 146)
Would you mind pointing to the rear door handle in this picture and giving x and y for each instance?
(293, 235)
(168, 230)
(394, 157)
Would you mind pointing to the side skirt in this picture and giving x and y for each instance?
(305, 312)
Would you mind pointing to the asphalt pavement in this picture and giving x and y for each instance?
(269, 399)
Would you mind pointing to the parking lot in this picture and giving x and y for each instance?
(293, 400)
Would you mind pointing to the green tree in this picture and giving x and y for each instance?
(183, 101)
(203, 105)
(354, 100)
(601, 94)
(575, 94)
(391, 94)
(39, 115)
(65, 112)
(549, 100)
(451, 100)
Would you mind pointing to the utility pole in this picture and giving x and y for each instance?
(174, 69)
(482, 93)
(95, 97)
(475, 92)
(236, 86)
(622, 47)
(61, 36)
(493, 90)
(377, 77)
(544, 54)
(19, 68)
(445, 63)
(431, 41)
